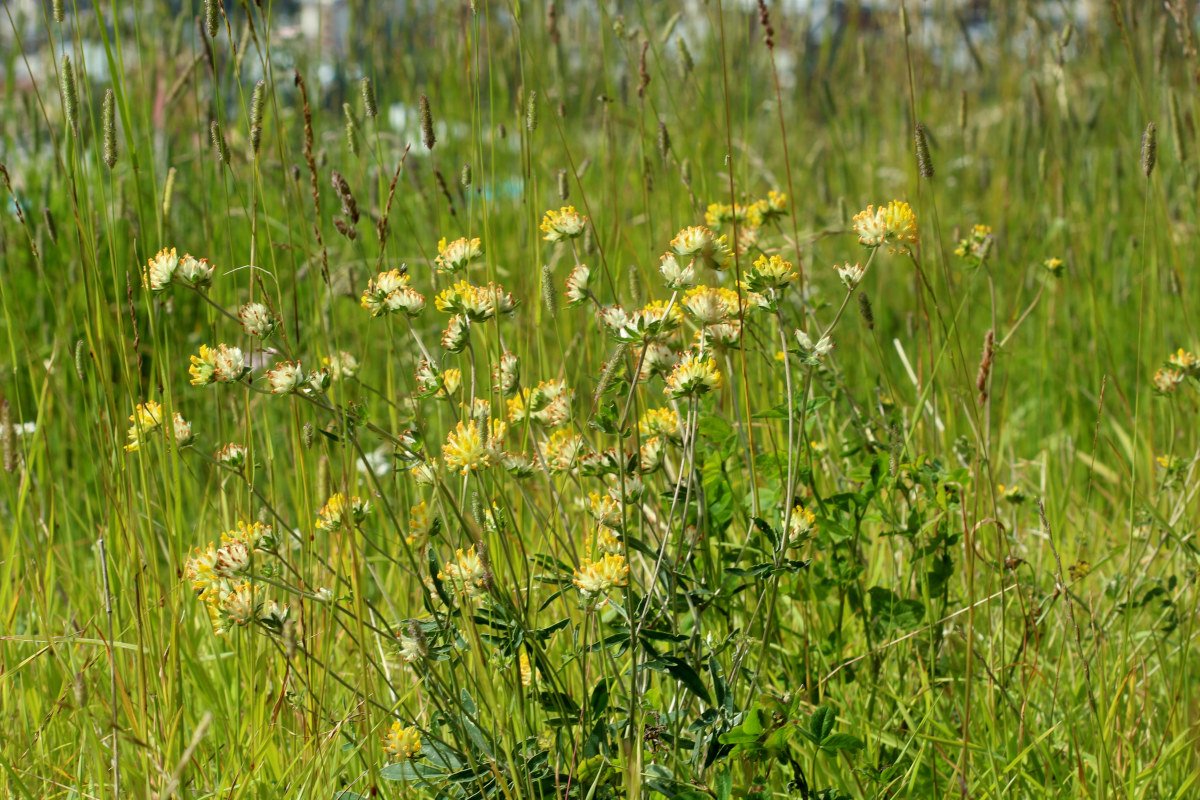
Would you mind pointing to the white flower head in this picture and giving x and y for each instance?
(813, 351)
(160, 270)
(851, 274)
(286, 377)
(256, 320)
(195, 272)
(677, 276)
(577, 285)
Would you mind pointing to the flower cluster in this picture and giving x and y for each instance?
(1181, 365)
(167, 268)
(563, 224)
(147, 419)
(974, 248)
(894, 225)
(223, 576)
(389, 293)
(456, 256)
(339, 510)
(220, 364)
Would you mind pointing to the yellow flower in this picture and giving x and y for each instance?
(771, 272)
(562, 450)
(894, 224)
(605, 509)
(659, 311)
(477, 303)
(458, 254)
(420, 524)
(255, 535)
(709, 305)
(1054, 266)
(566, 223)
(451, 382)
(341, 365)
(402, 742)
(776, 205)
(525, 669)
(800, 524)
(1184, 360)
(330, 516)
(243, 603)
(700, 242)
(146, 418)
(466, 572)
(975, 247)
(389, 292)
(200, 569)
(465, 450)
(718, 214)
(203, 366)
(607, 540)
(224, 364)
(1012, 494)
(548, 404)
(597, 577)
(661, 422)
(1170, 463)
(693, 376)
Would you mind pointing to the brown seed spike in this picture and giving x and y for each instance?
(1149, 149)
(427, 137)
(983, 378)
(924, 162)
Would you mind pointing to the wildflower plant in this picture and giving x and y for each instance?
(591, 447)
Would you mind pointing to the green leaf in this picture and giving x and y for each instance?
(889, 612)
(724, 785)
(842, 741)
(410, 770)
(718, 492)
(681, 671)
(468, 703)
(434, 569)
(715, 429)
(821, 724)
(720, 687)
(599, 701)
(559, 702)
(737, 736)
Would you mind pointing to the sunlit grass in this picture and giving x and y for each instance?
(643, 508)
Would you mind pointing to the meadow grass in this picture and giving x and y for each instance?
(678, 549)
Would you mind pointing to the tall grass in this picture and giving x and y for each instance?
(952, 556)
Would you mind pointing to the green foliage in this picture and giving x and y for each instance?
(827, 574)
